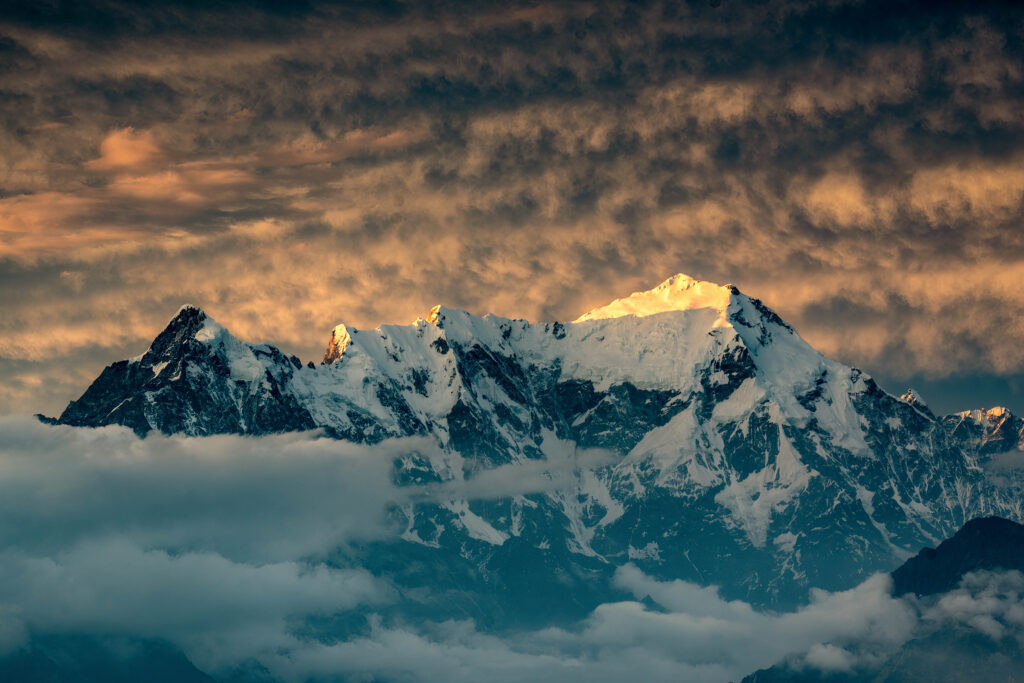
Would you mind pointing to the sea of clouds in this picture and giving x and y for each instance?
(221, 546)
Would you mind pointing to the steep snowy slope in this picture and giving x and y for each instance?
(731, 451)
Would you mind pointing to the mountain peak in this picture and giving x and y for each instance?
(188, 308)
(190, 323)
(340, 339)
(186, 314)
(186, 324)
(913, 397)
(678, 293)
(986, 416)
(435, 315)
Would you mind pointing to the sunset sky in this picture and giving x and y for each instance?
(859, 166)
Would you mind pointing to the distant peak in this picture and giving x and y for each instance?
(340, 339)
(189, 319)
(439, 314)
(192, 322)
(678, 293)
(912, 397)
(980, 413)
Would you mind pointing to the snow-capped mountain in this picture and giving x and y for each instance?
(707, 440)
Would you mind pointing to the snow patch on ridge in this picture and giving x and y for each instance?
(242, 362)
(754, 500)
(475, 525)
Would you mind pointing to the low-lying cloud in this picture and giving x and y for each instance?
(267, 499)
(689, 633)
(220, 612)
(222, 547)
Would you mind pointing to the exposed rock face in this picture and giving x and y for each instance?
(733, 452)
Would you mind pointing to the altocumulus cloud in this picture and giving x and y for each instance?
(221, 546)
(290, 168)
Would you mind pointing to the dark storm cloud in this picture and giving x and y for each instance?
(289, 166)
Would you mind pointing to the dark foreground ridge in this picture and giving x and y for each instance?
(987, 543)
(948, 652)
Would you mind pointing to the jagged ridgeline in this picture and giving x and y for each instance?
(733, 453)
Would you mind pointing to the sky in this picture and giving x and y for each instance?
(858, 166)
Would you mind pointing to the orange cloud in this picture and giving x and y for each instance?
(127, 148)
(184, 184)
(307, 149)
(840, 198)
(977, 190)
(50, 223)
(370, 179)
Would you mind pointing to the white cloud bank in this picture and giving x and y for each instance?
(694, 636)
(219, 545)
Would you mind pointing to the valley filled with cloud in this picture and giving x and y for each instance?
(225, 548)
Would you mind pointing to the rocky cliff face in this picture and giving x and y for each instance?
(707, 441)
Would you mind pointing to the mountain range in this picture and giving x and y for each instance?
(698, 436)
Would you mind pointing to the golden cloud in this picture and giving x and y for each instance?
(126, 149)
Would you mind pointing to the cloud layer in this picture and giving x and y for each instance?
(854, 164)
(222, 547)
